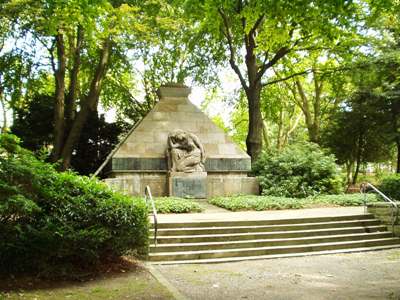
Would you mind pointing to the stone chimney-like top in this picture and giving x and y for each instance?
(173, 90)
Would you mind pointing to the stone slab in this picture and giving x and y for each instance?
(187, 185)
(160, 164)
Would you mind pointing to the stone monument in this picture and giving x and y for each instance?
(177, 150)
(186, 172)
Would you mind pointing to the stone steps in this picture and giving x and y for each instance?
(264, 235)
(264, 228)
(266, 242)
(238, 240)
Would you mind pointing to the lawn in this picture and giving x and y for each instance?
(259, 203)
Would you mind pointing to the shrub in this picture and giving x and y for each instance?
(298, 171)
(390, 186)
(167, 205)
(56, 221)
(260, 203)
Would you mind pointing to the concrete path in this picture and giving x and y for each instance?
(224, 215)
(367, 275)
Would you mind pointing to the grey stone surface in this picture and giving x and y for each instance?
(160, 164)
(136, 163)
(367, 275)
(188, 185)
(383, 211)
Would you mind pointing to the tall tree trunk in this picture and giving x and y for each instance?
(254, 136)
(359, 156)
(318, 85)
(305, 107)
(70, 101)
(59, 74)
(280, 129)
(349, 171)
(398, 155)
(265, 136)
(89, 105)
(4, 111)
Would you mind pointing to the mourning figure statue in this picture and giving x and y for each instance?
(185, 152)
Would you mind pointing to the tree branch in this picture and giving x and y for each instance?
(286, 78)
(232, 62)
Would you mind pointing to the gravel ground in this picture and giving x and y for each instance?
(367, 275)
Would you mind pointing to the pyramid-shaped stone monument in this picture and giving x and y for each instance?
(177, 150)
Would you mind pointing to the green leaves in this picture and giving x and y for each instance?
(170, 205)
(260, 203)
(50, 219)
(298, 171)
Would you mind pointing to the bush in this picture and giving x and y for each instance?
(300, 170)
(167, 205)
(390, 186)
(260, 203)
(56, 221)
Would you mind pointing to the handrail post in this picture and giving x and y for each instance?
(148, 196)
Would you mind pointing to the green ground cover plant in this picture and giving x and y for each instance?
(259, 203)
(300, 170)
(173, 205)
(53, 222)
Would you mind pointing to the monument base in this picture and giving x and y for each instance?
(187, 185)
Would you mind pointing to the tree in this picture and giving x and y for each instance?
(82, 40)
(33, 124)
(256, 35)
(355, 133)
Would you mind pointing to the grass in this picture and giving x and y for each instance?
(125, 282)
(173, 205)
(259, 203)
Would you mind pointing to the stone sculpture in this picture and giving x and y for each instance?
(185, 152)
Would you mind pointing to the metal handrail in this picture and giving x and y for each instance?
(148, 197)
(394, 205)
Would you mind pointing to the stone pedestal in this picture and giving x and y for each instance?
(187, 185)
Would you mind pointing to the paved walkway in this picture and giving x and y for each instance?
(219, 214)
(367, 275)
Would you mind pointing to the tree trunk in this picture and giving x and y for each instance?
(317, 108)
(89, 105)
(4, 111)
(59, 74)
(349, 172)
(70, 101)
(265, 136)
(279, 133)
(358, 159)
(398, 155)
(254, 136)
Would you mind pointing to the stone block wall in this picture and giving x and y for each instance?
(383, 212)
(217, 184)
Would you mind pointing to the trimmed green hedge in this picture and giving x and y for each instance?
(53, 222)
(260, 203)
(168, 205)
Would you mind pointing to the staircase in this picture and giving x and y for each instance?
(221, 241)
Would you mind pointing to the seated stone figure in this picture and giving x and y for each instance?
(185, 152)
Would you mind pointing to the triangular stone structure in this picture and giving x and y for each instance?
(141, 156)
